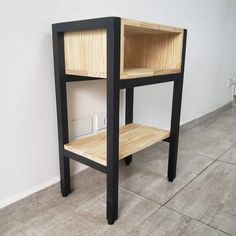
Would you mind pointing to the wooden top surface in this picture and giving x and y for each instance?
(146, 49)
(133, 138)
(139, 27)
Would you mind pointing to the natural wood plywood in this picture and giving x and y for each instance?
(150, 49)
(85, 53)
(139, 27)
(146, 72)
(146, 50)
(133, 138)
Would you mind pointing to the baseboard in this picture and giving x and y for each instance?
(28, 192)
(205, 117)
(35, 189)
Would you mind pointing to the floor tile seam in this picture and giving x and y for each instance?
(163, 204)
(140, 195)
(206, 155)
(197, 153)
(190, 181)
(181, 213)
(145, 219)
(225, 151)
(158, 204)
(227, 162)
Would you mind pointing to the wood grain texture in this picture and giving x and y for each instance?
(133, 138)
(152, 51)
(145, 72)
(146, 50)
(153, 47)
(137, 27)
(85, 53)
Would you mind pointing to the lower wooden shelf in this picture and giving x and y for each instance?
(133, 138)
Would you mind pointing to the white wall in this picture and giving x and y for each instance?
(29, 150)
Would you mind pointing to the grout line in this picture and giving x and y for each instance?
(146, 198)
(213, 161)
(128, 190)
(190, 181)
(206, 155)
(165, 204)
(145, 220)
(230, 163)
(224, 153)
(200, 154)
(158, 204)
(198, 175)
(196, 220)
(217, 159)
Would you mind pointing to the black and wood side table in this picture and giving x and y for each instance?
(127, 54)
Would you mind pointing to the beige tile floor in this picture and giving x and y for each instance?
(201, 200)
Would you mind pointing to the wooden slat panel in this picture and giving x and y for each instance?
(85, 53)
(133, 138)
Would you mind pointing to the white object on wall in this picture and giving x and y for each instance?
(100, 122)
(80, 127)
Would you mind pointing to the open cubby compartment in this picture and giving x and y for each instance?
(149, 49)
(146, 50)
